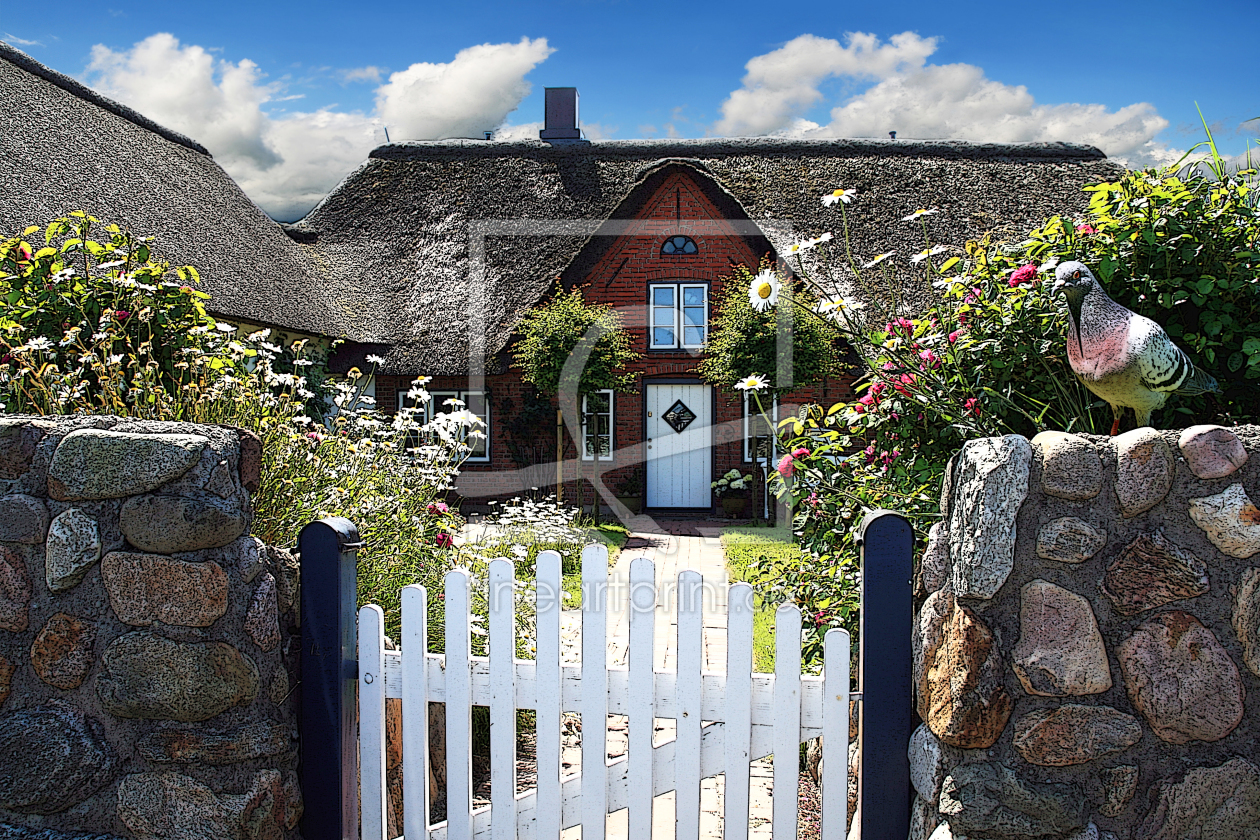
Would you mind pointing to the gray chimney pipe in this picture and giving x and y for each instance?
(561, 115)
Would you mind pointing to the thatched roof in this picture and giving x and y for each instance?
(463, 235)
(64, 147)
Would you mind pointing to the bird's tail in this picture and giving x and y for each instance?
(1198, 382)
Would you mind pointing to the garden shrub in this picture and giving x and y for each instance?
(743, 340)
(103, 326)
(987, 358)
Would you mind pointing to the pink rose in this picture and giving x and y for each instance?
(786, 466)
(444, 540)
(1023, 274)
(1086, 229)
(800, 452)
(954, 336)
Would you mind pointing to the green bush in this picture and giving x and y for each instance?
(99, 324)
(744, 341)
(103, 326)
(988, 358)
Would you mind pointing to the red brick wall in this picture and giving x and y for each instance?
(621, 277)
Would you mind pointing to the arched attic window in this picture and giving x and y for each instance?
(678, 245)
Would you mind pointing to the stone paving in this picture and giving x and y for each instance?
(693, 546)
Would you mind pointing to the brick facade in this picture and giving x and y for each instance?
(522, 423)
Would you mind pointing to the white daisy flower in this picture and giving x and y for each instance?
(920, 212)
(375, 360)
(756, 382)
(837, 196)
(763, 293)
(879, 259)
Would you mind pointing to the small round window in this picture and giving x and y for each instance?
(678, 245)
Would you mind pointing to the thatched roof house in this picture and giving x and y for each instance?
(430, 253)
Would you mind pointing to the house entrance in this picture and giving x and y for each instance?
(679, 445)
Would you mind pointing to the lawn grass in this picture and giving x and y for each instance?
(743, 546)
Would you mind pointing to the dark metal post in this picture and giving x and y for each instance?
(330, 755)
(885, 676)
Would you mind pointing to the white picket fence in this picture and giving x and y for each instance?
(724, 720)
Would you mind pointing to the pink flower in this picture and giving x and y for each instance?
(1023, 274)
(121, 314)
(819, 618)
(877, 388)
(866, 403)
(1086, 229)
(786, 466)
(315, 437)
(972, 405)
(904, 324)
(438, 507)
(443, 540)
(930, 359)
(800, 452)
(954, 336)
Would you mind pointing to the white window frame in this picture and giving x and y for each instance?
(774, 416)
(439, 396)
(612, 429)
(679, 325)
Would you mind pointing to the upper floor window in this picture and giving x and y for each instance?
(678, 245)
(679, 315)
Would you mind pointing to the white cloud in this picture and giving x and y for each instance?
(21, 42)
(287, 162)
(361, 74)
(472, 94)
(921, 100)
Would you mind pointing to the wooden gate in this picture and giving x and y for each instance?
(724, 720)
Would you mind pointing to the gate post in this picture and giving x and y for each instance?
(329, 758)
(885, 676)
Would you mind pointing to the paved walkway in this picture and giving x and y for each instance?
(698, 548)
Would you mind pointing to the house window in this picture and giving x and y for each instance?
(597, 426)
(679, 315)
(677, 245)
(755, 425)
(474, 401)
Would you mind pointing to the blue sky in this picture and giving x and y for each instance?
(290, 97)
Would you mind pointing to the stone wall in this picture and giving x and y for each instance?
(145, 637)
(1087, 648)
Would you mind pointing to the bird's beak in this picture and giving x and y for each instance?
(1059, 285)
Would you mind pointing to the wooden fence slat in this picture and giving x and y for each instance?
(594, 691)
(640, 696)
(372, 722)
(787, 726)
(690, 660)
(738, 711)
(835, 743)
(458, 707)
(502, 651)
(415, 710)
(548, 599)
(712, 695)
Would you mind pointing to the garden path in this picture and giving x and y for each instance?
(699, 549)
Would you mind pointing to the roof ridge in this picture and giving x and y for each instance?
(722, 146)
(76, 88)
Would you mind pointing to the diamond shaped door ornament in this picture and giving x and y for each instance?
(679, 416)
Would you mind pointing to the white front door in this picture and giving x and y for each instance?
(679, 446)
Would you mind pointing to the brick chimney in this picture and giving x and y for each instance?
(562, 115)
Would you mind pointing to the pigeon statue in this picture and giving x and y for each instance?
(1121, 356)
